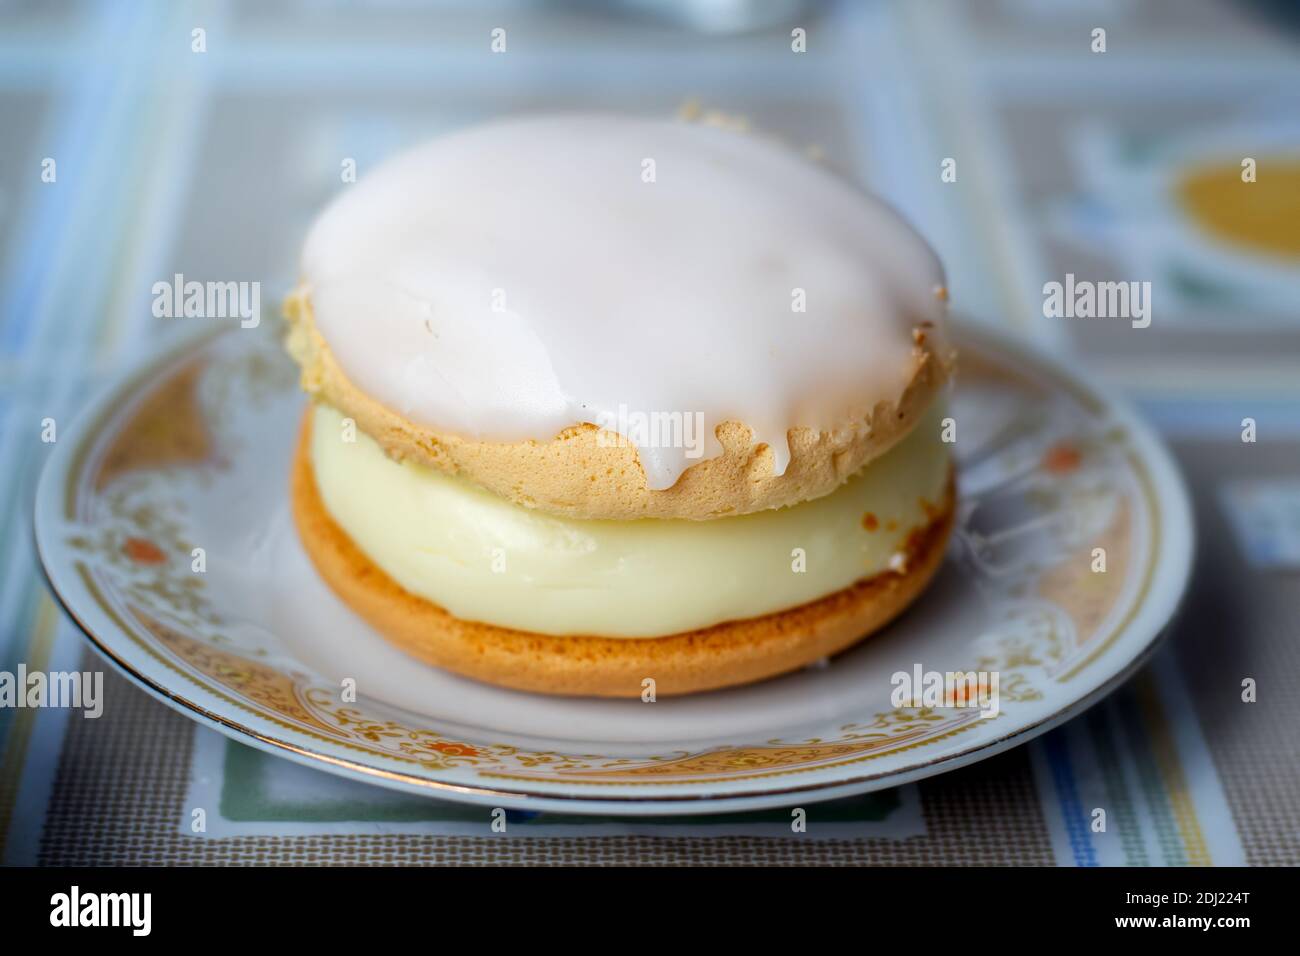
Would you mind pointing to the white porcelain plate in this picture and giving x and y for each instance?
(163, 526)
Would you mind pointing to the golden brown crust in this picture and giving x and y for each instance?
(585, 472)
(737, 652)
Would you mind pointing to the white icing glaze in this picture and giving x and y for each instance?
(510, 280)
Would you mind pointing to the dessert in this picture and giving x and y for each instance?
(603, 401)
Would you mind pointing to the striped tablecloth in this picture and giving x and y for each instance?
(206, 153)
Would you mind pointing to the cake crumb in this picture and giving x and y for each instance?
(690, 110)
(728, 121)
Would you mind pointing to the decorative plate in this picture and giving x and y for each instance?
(163, 526)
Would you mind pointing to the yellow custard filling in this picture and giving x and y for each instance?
(485, 559)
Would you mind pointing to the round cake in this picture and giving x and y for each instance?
(616, 406)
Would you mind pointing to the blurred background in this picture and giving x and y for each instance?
(201, 138)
